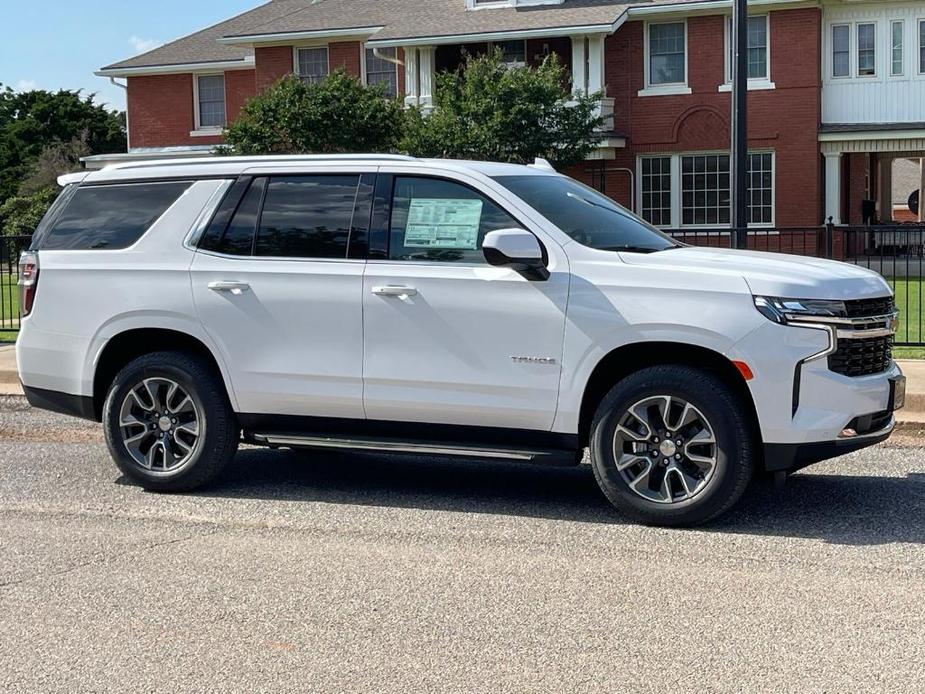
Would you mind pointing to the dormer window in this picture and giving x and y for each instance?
(499, 4)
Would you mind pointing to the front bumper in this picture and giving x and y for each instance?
(781, 457)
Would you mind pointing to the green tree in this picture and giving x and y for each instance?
(487, 110)
(31, 122)
(338, 114)
(21, 214)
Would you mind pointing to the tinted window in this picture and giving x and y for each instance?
(438, 220)
(238, 236)
(307, 217)
(111, 217)
(588, 217)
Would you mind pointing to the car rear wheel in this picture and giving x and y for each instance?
(672, 446)
(168, 423)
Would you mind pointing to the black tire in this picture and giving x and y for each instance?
(219, 434)
(734, 448)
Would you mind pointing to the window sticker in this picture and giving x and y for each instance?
(443, 224)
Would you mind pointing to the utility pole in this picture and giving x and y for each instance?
(739, 158)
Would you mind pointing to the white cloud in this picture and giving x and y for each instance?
(26, 85)
(141, 45)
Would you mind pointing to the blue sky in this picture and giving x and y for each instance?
(52, 44)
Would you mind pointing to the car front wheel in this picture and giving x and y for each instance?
(672, 445)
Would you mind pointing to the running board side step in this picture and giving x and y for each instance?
(541, 456)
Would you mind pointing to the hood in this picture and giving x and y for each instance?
(773, 274)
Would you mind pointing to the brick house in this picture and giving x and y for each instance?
(837, 89)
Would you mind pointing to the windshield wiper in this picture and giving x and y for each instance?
(635, 249)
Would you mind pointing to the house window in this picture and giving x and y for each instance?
(313, 64)
(867, 53)
(380, 71)
(513, 53)
(841, 50)
(897, 29)
(698, 188)
(656, 190)
(210, 102)
(757, 48)
(668, 53)
(922, 47)
(760, 188)
(705, 197)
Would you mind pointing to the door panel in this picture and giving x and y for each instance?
(292, 336)
(448, 338)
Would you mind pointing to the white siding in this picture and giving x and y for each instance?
(883, 98)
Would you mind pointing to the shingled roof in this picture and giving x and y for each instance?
(382, 20)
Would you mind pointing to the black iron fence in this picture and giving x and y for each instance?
(10, 248)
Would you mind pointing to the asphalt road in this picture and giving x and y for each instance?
(343, 573)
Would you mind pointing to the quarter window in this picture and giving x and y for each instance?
(313, 64)
(379, 71)
(210, 91)
(238, 237)
(439, 220)
(897, 30)
(841, 50)
(110, 217)
(867, 53)
(667, 53)
(307, 217)
(656, 190)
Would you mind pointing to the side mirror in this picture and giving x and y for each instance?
(517, 249)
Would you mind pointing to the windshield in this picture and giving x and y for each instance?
(591, 219)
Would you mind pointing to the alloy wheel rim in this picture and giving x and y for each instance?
(160, 424)
(665, 449)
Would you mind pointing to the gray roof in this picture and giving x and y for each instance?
(399, 19)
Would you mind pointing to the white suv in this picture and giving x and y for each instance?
(441, 307)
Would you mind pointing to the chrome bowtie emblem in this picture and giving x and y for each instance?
(534, 360)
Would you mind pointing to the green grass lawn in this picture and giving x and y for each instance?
(9, 306)
(910, 299)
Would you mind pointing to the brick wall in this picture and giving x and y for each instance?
(785, 119)
(272, 64)
(346, 56)
(240, 85)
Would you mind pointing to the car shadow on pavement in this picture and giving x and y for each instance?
(840, 509)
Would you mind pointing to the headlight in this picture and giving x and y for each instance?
(784, 311)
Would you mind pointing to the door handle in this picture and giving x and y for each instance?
(395, 291)
(236, 288)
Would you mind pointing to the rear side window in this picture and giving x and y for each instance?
(307, 217)
(110, 217)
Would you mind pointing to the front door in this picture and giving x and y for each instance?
(276, 291)
(448, 338)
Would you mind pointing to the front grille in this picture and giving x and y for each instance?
(867, 308)
(863, 357)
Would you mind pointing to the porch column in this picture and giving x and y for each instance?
(427, 57)
(922, 189)
(412, 74)
(579, 65)
(833, 187)
(596, 64)
(886, 189)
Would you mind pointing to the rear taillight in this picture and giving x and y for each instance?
(28, 281)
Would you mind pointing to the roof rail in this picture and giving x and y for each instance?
(217, 161)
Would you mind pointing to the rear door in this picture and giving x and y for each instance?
(277, 283)
(449, 338)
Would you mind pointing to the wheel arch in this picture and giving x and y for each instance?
(627, 359)
(130, 344)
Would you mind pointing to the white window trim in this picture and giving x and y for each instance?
(857, 52)
(198, 130)
(677, 213)
(902, 73)
(304, 46)
(754, 83)
(673, 87)
(364, 70)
